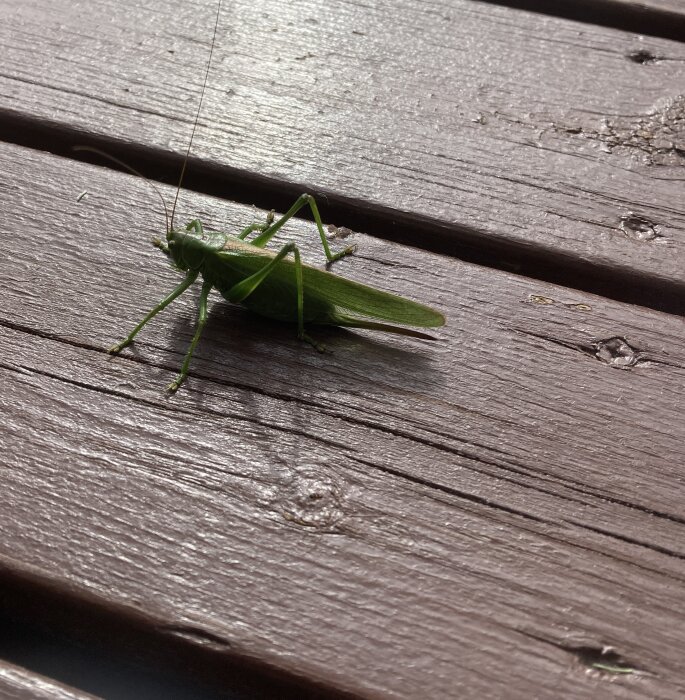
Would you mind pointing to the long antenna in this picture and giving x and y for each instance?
(126, 166)
(197, 116)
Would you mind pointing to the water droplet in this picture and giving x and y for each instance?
(639, 228)
(616, 352)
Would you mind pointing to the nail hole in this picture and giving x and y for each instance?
(642, 56)
(605, 660)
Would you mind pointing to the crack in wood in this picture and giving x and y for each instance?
(197, 635)
(602, 658)
(513, 511)
(175, 409)
(87, 95)
(630, 540)
(456, 492)
(616, 351)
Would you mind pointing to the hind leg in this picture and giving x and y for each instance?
(244, 288)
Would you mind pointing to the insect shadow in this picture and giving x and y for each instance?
(262, 352)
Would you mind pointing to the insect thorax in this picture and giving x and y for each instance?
(189, 248)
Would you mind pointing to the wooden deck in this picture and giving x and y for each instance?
(497, 514)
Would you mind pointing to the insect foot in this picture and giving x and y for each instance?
(175, 385)
(320, 347)
(158, 243)
(347, 251)
(118, 347)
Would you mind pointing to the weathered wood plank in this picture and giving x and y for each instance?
(397, 519)
(17, 683)
(328, 569)
(479, 123)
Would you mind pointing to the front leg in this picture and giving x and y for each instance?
(190, 278)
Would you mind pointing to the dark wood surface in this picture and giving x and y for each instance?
(390, 519)
(497, 513)
(531, 136)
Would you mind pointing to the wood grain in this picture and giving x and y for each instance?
(396, 519)
(17, 683)
(480, 124)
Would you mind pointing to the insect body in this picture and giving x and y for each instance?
(268, 282)
(276, 286)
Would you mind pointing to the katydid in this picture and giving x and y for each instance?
(271, 283)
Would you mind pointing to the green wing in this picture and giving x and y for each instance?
(339, 301)
(362, 301)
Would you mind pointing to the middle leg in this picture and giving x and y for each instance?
(201, 320)
(303, 200)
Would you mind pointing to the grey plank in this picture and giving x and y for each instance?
(17, 683)
(396, 519)
(479, 123)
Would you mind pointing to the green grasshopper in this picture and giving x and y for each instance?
(270, 283)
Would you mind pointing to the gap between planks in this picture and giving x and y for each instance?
(467, 244)
(94, 644)
(658, 18)
(19, 683)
